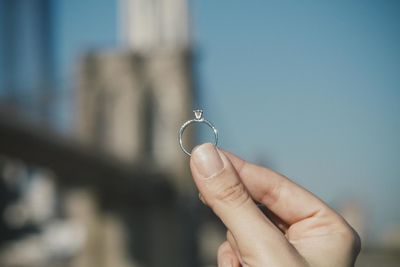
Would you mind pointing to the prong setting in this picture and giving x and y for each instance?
(198, 114)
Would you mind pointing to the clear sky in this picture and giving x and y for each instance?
(310, 88)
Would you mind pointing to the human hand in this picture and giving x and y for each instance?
(299, 229)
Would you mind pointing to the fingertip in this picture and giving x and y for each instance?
(202, 199)
(197, 147)
(207, 160)
(226, 256)
(226, 262)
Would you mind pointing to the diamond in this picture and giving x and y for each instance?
(198, 113)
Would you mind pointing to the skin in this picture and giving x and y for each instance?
(295, 229)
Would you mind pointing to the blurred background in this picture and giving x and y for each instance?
(92, 94)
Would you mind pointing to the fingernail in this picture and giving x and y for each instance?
(202, 199)
(227, 263)
(207, 160)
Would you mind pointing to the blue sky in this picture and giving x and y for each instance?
(310, 88)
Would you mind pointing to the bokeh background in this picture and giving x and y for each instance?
(92, 94)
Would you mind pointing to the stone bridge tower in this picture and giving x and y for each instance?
(132, 100)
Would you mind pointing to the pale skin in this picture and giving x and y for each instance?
(298, 229)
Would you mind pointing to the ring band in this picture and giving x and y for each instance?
(198, 114)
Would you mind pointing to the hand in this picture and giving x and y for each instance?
(298, 230)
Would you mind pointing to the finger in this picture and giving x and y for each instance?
(226, 256)
(220, 186)
(278, 222)
(202, 199)
(232, 242)
(270, 215)
(287, 200)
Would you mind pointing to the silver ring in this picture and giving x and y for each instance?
(198, 114)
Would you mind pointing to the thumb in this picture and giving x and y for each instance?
(224, 192)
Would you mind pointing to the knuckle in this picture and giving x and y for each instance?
(234, 193)
(350, 238)
(353, 240)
